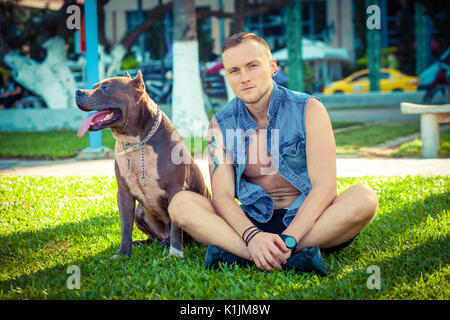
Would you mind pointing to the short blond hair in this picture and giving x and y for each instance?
(242, 37)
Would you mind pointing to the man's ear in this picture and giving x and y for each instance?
(126, 74)
(138, 81)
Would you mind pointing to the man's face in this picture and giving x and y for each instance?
(249, 69)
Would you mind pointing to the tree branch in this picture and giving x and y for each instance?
(55, 24)
(154, 15)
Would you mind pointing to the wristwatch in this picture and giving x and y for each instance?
(290, 242)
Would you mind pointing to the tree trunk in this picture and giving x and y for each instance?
(239, 21)
(188, 111)
(51, 79)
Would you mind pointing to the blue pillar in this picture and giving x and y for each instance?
(90, 13)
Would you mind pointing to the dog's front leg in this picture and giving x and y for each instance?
(176, 241)
(126, 204)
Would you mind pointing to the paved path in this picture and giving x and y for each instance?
(346, 167)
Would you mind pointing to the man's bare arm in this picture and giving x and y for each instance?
(222, 175)
(321, 161)
(264, 247)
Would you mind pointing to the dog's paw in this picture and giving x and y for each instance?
(142, 242)
(165, 242)
(174, 252)
(119, 255)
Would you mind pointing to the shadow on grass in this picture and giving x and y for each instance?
(387, 243)
(36, 239)
(149, 273)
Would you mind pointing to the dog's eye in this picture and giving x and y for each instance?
(104, 89)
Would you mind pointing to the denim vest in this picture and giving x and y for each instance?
(286, 113)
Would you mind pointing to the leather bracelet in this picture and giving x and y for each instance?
(251, 237)
(243, 234)
(250, 234)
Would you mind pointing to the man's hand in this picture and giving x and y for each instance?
(268, 251)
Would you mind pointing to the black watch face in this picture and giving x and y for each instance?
(290, 242)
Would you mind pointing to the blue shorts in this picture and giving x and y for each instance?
(276, 225)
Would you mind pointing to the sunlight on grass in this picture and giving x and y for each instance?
(47, 224)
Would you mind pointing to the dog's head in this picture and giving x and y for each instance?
(116, 100)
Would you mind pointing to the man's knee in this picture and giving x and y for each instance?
(179, 206)
(366, 203)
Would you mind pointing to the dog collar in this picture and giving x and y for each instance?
(131, 147)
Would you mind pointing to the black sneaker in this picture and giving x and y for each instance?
(307, 260)
(214, 255)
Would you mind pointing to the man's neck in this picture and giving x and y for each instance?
(258, 110)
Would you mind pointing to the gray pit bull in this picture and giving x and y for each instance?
(143, 166)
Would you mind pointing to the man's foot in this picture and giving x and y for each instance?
(307, 260)
(214, 255)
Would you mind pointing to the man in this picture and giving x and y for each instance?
(273, 150)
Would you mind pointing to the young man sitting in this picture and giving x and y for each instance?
(273, 150)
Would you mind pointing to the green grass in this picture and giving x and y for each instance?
(48, 224)
(344, 124)
(414, 148)
(355, 140)
(54, 145)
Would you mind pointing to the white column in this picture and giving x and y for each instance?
(429, 130)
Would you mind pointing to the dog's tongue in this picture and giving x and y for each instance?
(86, 124)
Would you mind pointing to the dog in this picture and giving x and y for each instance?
(143, 166)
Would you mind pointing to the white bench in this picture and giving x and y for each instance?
(430, 117)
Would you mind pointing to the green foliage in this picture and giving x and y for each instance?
(48, 224)
(129, 62)
(388, 59)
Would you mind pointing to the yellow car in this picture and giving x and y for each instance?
(390, 80)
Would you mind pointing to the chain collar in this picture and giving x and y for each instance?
(131, 147)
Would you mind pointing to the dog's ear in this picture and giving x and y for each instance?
(126, 74)
(138, 81)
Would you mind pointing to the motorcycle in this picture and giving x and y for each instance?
(160, 90)
(439, 79)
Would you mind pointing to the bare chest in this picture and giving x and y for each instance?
(259, 162)
(260, 170)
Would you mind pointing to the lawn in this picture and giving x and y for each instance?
(54, 145)
(49, 224)
(355, 140)
(65, 144)
(414, 148)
